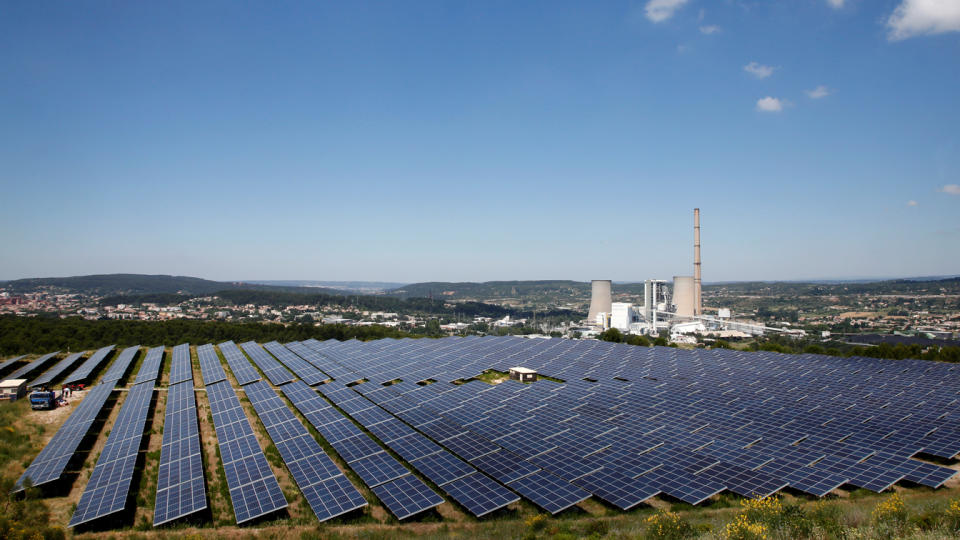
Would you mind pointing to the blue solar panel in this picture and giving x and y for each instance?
(312, 469)
(253, 488)
(83, 372)
(150, 369)
(271, 368)
(239, 365)
(407, 496)
(180, 368)
(32, 366)
(9, 362)
(211, 371)
(479, 494)
(180, 484)
(56, 370)
(303, 369)
(49, 464)
(121, 364)
(549, 492)
(109, 485)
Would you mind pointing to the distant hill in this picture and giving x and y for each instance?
(352, 286)
(492, 289)
(138, 284)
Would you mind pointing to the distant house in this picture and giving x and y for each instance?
(13, 389)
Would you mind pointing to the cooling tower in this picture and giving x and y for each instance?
(684, 292)
(600, 299)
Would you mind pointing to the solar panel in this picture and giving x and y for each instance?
(504, 466)
(479, 494)
(150, 369)
(407, 496)
(314, 472)
(271, 368)
(86, 368)
(254, 489)
(49, 464)
(211, 371)
(378, 468)
(549, 492)
(303, 369)
(442, 467)
(121, 364)
(56, 370)
(180, 483)
(180, 368)
(32, 366)
(239, 365)
(617, 489)
(7, 363)
(109, 484)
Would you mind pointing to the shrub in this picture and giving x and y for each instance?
(890, 517)
(667, 526)
(952, 515)
(744, 529)
(537, 522)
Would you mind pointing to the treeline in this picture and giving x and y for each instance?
(405, 306)
(23, 335)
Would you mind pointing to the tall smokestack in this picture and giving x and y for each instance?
(696, 263)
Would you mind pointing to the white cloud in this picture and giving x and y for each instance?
(835, 4)
(950, 189)
(759, 71)
(819, 92)
(709, 29)
(770, 104)
(661, 10)
(701, 15)
(911, 203)
(919, 17)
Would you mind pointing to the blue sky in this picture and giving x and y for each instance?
(415, 141)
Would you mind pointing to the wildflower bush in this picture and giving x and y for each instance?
(952, 515)
(667, 526)
(744, 529)
(890, 517)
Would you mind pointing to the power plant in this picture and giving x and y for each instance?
(679, 311)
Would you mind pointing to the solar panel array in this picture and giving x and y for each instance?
(211, 371)
(56, 370)
(326, 489)
(239, 365)
(50, 463)
(303, 369)
(121, 364)
(7, 363)
(271, 368)
(180, 368)
(180, 485)
(377, 469)
(83, 372)
(150, 368)
(628, 423)
(23, 371)
(254, 490)
(108, 488)
(440, 466)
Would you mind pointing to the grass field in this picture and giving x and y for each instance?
(913, 512)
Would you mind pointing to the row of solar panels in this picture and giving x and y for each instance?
(81, 374)
(253, 488)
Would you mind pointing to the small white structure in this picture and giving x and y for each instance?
(523, 374)
(723, 313)
(13, 389)
(621, 315)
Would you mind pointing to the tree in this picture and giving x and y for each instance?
(612, 335)
(638, 340)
